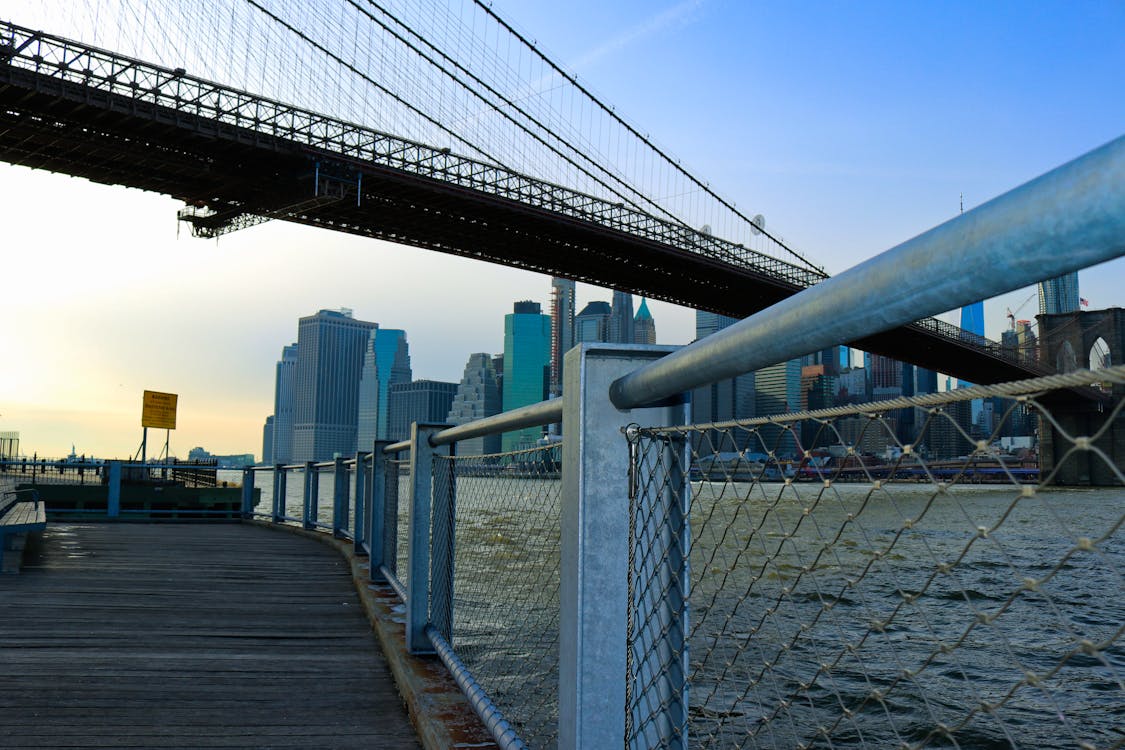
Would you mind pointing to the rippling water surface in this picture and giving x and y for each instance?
(849, 616)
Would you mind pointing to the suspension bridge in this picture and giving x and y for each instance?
(238, 158)
(587, 595)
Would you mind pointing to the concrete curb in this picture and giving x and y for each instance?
(439, 710)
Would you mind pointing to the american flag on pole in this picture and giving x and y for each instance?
(1084, 302)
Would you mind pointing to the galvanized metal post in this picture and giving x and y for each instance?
(247, 492)
(442, 541)
(418, 542)
(377, 518)
(339, 498)
(359, 504)
(312, 490)
(594, 594)
(113, 487)
(278, 493)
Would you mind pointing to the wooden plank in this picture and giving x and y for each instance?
(190, 635)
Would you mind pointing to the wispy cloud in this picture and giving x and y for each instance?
(647, 27)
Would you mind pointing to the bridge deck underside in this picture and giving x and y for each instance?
(190, 636)
(53, 124)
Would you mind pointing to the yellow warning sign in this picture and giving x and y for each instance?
(159, 410)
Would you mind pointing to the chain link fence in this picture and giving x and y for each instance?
(885, 575)
(506, 599)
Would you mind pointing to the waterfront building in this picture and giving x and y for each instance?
(478, 396)
(592, 324)
(621, 319)
(385, 363)
(777, 390)
(330, 350)
(1059, 295)
(421, 401)
(644, 327)
(267, 441)
(527, 360)
(562, 328)
(284, 403)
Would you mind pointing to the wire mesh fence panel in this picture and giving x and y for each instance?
(325, 491)
(857, 584)
(397, 523)
(506, 594)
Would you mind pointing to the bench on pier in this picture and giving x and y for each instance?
(18, 518)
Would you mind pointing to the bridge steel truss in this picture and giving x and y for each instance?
(237, 159)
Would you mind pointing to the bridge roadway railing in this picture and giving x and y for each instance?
(795, 580)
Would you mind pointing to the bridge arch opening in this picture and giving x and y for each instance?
(1100, 355)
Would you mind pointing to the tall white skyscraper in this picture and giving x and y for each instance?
(562, 328)
(330, 349)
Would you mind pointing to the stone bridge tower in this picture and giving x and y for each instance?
(1074, 341)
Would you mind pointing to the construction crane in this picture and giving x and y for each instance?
(1022, 305)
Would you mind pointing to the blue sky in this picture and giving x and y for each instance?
(851, 126)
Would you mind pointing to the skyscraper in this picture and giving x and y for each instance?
(592, 324)
(284, 403)
(1059, 295)
(422, 401)
(726, 399)
(621, 319)
(707, 323)
(477, 397)
(527, 360)
(267, 441)
(644, 327)
(330, 349)
(972, 318)
(777, 390)
(562, 328)
(386, 362)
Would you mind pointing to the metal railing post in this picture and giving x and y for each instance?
(339, 498)
(377, 519)
(442, 541)
(247, 492)
(359, 504)
(278, 493)
(594, 591)
(418, 541)
(113, 490)
(312, 489)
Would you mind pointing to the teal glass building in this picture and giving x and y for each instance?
(527, 362)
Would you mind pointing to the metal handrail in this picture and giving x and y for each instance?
(533, 415)
(1070, 218)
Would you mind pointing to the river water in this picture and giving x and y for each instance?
(845, 616)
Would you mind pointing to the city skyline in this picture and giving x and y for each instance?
(878, 120)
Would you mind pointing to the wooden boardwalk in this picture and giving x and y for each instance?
(190, 635)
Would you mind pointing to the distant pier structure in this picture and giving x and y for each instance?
(1074, 341)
